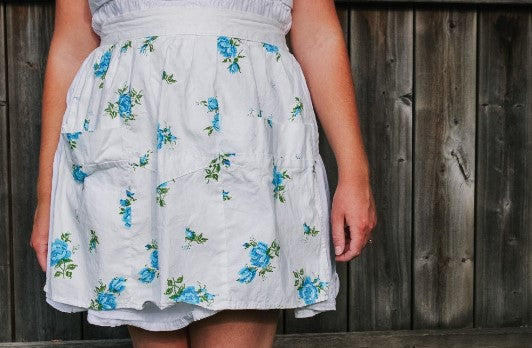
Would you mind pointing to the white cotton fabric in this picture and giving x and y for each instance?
(187, 179)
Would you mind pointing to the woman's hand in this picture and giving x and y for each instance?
(353, 205)
(39, 234)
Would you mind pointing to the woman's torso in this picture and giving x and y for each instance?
(279, 10)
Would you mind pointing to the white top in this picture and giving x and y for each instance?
(279, 10)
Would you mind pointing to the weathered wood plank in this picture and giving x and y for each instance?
(470, 338)
(28, 33)
(382, 63)
(331, 321)
(444, 172)
(93, 332)
(504, 179)
(6, 305)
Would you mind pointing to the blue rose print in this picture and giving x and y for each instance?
(125, 207)
(211, 104)
(227, 48)
(100, 68)
(128, 98)
(188, 295)
(277, 181)
(308, 289)
(143, 160)
(148, 273)
(147, 45)
(216, 122)
(124, 105)
(310, 231)
(192, 237)
(60, 256)
(106, 295)
(154, 259)
(78, 174)
(260, 256)
(59, 251)
(106, 300)
(225, 195)
(272, 49)
(72, 137)
(164, 136)
(86, 124)
(247, 274)
(117, 284)
(178, 291)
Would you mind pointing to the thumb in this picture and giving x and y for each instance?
(338, 233)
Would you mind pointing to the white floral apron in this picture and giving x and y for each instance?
(187, 178)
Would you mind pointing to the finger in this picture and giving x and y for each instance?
(357, 241)
(338, 232)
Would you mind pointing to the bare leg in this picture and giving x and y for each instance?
(158, 339)
(235, 329)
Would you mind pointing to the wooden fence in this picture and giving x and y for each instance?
(445, 99)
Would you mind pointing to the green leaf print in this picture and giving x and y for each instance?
(147, 44)
(213, 170)
(143, 160)
(93, 241)
(297, 109)
(311, 231)
(60, 256)
(128, 98)
(180, 292)
(277, 181)
(192, 237)
(106, 295)
(169, 78)
(308, 288)
(125, 46)
(260, 255)
(227, 48)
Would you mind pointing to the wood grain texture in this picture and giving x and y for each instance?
(504, 179)
(28, 33)
(444, 172)
(331, 321)
(6, 280)
(382, 63)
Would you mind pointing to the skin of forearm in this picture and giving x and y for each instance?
(72, 41)
(62, 64)
(331, 85)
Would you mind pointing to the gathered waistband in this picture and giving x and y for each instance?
(177, 19)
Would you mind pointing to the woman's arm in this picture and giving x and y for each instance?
(72, 40)
(318, 44)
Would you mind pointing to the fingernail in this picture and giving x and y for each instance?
(337, 250)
